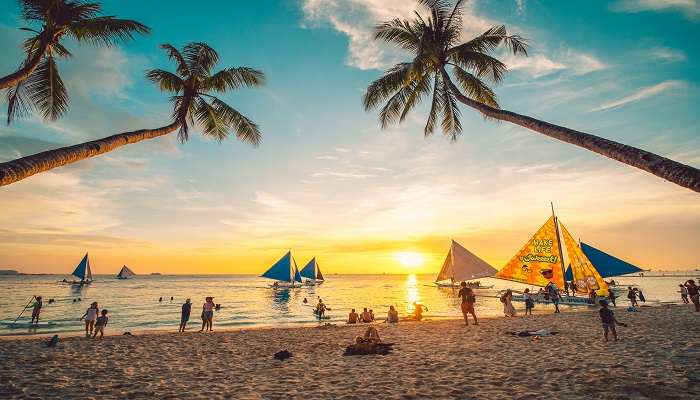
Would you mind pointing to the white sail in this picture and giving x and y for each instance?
(125, 273)
(461, 265)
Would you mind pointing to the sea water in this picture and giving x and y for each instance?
(248, 301)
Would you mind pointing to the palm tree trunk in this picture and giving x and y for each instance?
(16, 170)
(672, 171)
(27, 68)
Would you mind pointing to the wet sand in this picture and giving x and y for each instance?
(657, 357)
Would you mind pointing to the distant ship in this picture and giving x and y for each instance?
(156, 273)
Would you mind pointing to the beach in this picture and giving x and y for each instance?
(656, 357)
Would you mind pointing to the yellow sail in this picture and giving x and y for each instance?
(538, 262)
(586, 277)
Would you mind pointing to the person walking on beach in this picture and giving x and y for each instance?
(611, 296)
(507, 300)
(36, 310)
(632, 296)
(693, 293)
(468, 300)
(90, 317)
(529, 302)
(392, 317)
(552, 292)
(185, 315)
(100, 325)
(207, 314)
(607, 318)
(684, 294)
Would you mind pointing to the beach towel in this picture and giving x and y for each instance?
(539, 333)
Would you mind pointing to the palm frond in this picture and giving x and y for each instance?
(209, 120)
(106, 30)
(451, 125)
(246, 130)
(46, 90)
(200, 58)
(435, 107)
(420, 89)
(483, 65)
(68, 11)
(184, 109)
(399, 32)
(475, 88)
(59, 50)
(392, 80)
(233, 78)
(19, 105)
(34, 10)
(180, 64)
(166, 81)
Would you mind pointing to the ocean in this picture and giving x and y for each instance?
(247, 301)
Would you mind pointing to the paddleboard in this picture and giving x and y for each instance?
(25, 325)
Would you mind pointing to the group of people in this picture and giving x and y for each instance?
(207, 314)
(392, 316)
(95, 321)
(690, 293)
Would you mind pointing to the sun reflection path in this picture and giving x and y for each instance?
(412, 294)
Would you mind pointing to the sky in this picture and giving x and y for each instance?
(326, 181)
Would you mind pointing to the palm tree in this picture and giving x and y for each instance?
(435, 42)
(193, 104)
(37, 84)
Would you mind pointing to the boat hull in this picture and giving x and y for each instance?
(564, 301)
(457, 286)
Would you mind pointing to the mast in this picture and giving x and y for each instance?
(561, 253)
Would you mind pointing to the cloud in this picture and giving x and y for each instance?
(339, 174)
(327, 158)
(689, 8)
(667, 54)
(539, 65)
(640, 95)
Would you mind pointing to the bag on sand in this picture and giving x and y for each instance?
(282, 355)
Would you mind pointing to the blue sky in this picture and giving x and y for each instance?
(326, 180)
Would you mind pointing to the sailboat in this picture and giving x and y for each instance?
(82, 272)
(284, 272)
(463, 265)
(606, 264)
(125, 273)
(540, 263)
(312, 273)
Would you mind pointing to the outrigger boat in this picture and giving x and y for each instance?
(311, 273)
(463, 265)
(540, 263)
(82, 272)
(284, 272)
(608, 266)
(125, 273)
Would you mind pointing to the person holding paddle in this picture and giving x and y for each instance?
(36, 310)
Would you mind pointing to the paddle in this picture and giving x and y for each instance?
(23, 310)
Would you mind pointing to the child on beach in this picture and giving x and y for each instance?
(607, 318)
(100, 325)
(185, 315)
(36, 310)
(529, 302)
(207, 314)
(468, 300)
(90, 317)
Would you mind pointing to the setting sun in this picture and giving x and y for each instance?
(409, 258)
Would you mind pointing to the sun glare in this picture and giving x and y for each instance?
(409, 258)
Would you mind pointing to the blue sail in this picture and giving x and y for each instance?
(309, 270)
(82, 269)
(281, 270)
(297, 275)
(606, 264)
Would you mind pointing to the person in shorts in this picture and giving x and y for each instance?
(185, 315)
(100, 325)
(607, 319)
(36, 310)
(529, 302)
(468, 300)
(90, 317)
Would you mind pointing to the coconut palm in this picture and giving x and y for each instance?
(435, 41)
(37, 84)
(193, 104)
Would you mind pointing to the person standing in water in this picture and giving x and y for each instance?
(468, 300)
(185, 315)
(320, 309)
(207, 314)
(90, 317)
(36, 310)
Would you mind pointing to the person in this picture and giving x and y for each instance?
(36, 310)
(693, 293)
(507, 300)
(365, 316)
(607, 318)
(353, 317)
(171, 299)
(611, 296)
(529, 302)
(592, 297)
(90, 317)
(305, 301)
(160, 300)
(540, 293)
(684, 294)
(207, 314)
(641, 296)
(392, 316)
(320, 308)
(371, 314)
(418, 311)
(468, 300)
(100, 325)
(185, 315)
(632, 296)
(553, 292)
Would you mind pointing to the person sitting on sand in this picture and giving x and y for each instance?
(90, 317)
(607, 318)
(371, 314)
(36, 310)
(468, 300)
(418, 311)
(684, 293)
(185, 315)
(365, 316)
(632, 296)
(207, 314)
(371, 336)
(529, 302)
(693, 293)
(353, 317)
(507, 300)
(392, 316)
(100, 325)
